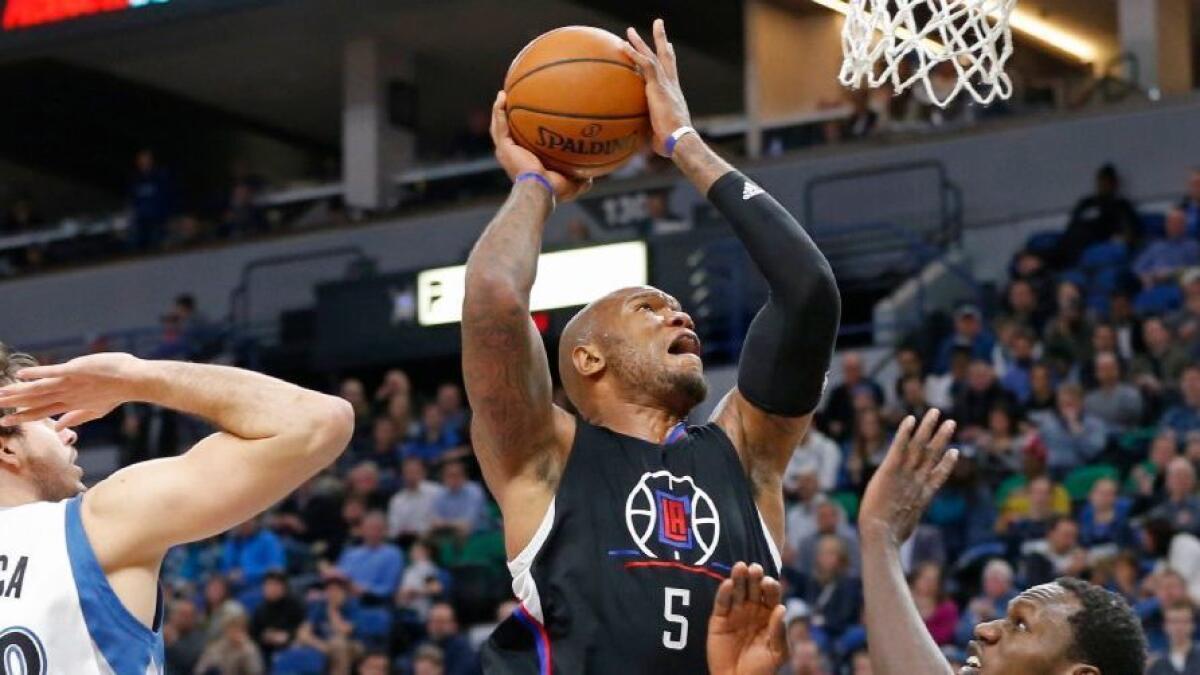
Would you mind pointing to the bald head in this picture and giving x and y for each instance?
(634, 345)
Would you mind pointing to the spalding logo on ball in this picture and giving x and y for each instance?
(672, 518)
(577, 101)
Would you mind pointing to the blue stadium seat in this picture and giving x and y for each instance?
(298, 661)
(1154, 225)
(1043, 242)
(1104, 255)
(1159, 299)
(373, 626)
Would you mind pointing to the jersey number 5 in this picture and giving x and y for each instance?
(21, 653)
(683, 597)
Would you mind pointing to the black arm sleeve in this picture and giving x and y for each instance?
(790, 343)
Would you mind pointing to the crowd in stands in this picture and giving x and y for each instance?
(1078, 407)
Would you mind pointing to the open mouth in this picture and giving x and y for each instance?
(973, 664)
(685, 343)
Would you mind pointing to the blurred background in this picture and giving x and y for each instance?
(282, 185)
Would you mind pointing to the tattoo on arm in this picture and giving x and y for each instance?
(504, 362)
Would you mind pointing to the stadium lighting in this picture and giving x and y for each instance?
(1023, 22)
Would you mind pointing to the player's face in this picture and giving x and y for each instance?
(1033, 639)
(655, 348)
(50, 460)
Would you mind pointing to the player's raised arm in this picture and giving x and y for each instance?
(898, 494)
(504, 363)
(790, 343)
(273, 436)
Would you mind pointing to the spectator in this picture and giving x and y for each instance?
(276, 620)
(834, 596)
(969, 332)
(997, 591)
(1169, 589)
(395, 381)
(1018, 365)
(234, 653)
(363, 482)
(973, 404)
(219, 603)
(1028, 517)
(385, 447)
(999, 448)
(818, 453)
(183, 637)
(1185, 417)
(1072, 436)
(1147, 480)
(1162, 260)
(831, 522)
(1098, 218)
(374, 566)
(1161, 363)
(939, 612)
(450, 403)
(429, 660)
(1104, 521)
(241, 216)
(353, 391)
(912, 400)
(839, 410)
(1022, 306)
(1058, 555)
(312, 514)
(435, 437)
(802, 509)
(1041, 389)
(1104, 339)
(459, 506)
(866, 449)
(1181, 507)
(330, 625)
(1182, 656)
(910, 364)
(1068, 333)
(806, 659)
(151, 203)
(399, 409)
(941, 390)
(1117, 404)
(1185, 322)
(441, 630)
(250, 552)
(374, 663)
(422, 581)
(410, 512)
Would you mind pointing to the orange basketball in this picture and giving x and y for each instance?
(577, 101)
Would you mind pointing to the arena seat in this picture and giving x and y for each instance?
(298, 661)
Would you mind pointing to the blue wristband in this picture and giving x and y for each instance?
(534, 175)
(675, 137)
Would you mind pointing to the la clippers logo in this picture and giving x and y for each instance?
(672, 517)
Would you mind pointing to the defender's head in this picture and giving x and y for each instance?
(1067, 627)
(36, 458)
(635, 345)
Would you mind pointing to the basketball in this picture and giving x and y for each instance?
(577, 101)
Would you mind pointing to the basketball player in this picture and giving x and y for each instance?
(620, 522)
(1067, 627)
(79, 570)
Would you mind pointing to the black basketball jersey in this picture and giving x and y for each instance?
(620, 577)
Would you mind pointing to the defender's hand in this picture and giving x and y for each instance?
(915, 468)
(517, 160)
(668, 107)
(745, 631)
(81, 390)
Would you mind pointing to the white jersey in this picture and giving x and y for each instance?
(58, 615)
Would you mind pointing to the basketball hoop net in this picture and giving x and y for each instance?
(906, 42)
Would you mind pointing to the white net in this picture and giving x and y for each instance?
(945, 45)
